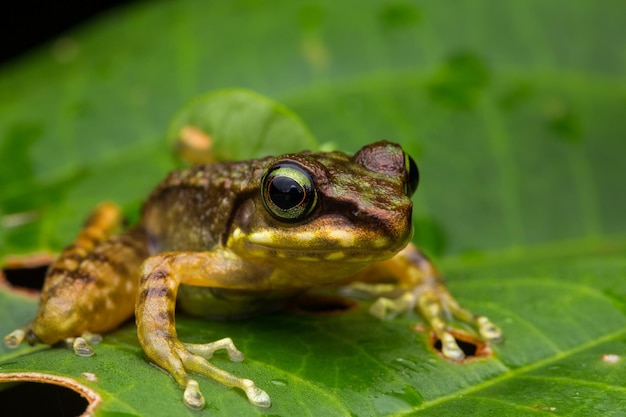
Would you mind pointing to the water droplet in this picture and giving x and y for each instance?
(280, 382)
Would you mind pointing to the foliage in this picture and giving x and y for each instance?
(514, 111)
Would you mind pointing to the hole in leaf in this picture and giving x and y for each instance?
(26, 278)
(40, 399)
(323, 305)
(471, 346)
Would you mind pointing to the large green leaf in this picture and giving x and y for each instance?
(515, 112)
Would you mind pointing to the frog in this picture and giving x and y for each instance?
(234, 239)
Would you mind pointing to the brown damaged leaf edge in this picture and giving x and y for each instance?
(194, 145)
(35, 263)
(472, 346)
(26, 292)
(29, 261)
(93, 398)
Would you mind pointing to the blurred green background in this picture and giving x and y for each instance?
(514, 111)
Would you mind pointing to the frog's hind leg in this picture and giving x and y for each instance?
(425, 291)
(91, 287)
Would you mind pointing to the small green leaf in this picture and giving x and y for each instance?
(243, 125)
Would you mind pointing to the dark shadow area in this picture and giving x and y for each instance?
(27, 24)
(322, 305)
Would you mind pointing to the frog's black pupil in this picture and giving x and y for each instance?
(286, 193)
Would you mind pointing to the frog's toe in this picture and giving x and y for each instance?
(450, 348)
(15, 338)
(193, 397)
(80, 346)
(206, 350)
(24, 334)
(488, 330)
(388, 308)
(437, 305)
(256, 395)
(198, 364)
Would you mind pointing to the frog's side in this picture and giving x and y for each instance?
(234, 238)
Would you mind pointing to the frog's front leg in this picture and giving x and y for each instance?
(424, 289)
(161, 276)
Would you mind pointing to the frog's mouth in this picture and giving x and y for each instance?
(316, 243)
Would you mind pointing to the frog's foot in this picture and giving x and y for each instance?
(24, 334)
(388, 308)
(16, 337)
(436, 305)
(187, 357)
(206, 350)
(82, 344)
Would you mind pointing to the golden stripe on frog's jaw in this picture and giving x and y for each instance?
(340, 245)
(339, 237)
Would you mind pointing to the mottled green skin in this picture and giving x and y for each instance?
(192, 208)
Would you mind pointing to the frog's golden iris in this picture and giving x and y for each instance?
(232, 239)
(288, 191)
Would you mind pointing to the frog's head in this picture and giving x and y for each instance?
(329, 207)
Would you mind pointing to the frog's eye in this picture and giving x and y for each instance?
(412, 175)
(288, 192)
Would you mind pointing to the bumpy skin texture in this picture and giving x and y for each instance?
(92, 287)
(224, 240)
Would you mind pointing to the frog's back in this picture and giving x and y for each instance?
(190, 210)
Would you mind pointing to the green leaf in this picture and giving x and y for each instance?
(242, 125)
(514, 111)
